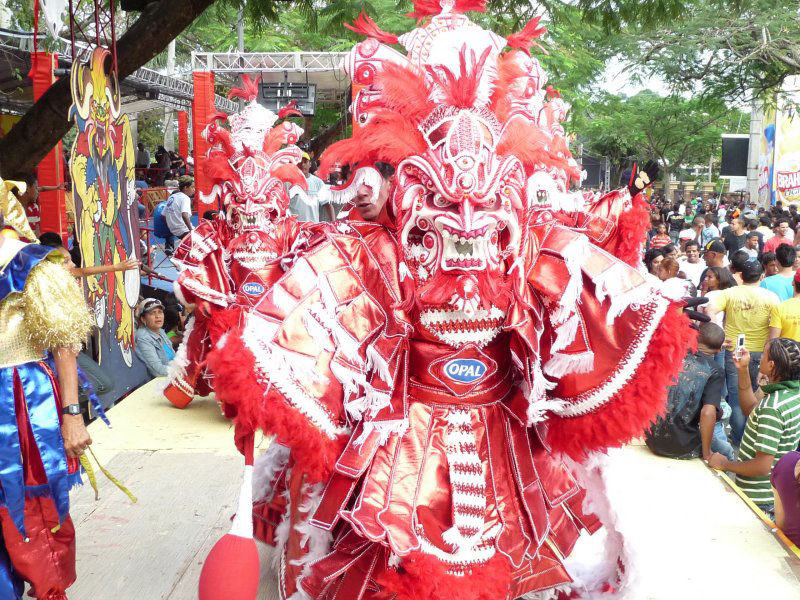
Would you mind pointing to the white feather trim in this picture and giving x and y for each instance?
(316, 539)
(589, 574)
(564, 364)
(176, 369)
(266, 467)
(282, 530)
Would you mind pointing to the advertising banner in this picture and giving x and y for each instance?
(786, 172)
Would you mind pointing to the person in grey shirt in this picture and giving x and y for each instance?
(314, 204)
(153, 347)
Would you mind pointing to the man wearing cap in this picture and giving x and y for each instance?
(307, 205)
(153, 347)
(178, 212)
(747, 309)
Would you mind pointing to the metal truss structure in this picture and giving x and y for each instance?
(165, 90)
(321, 68)
(254, 62)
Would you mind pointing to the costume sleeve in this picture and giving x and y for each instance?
(202, 274)
(316, 356)
(55, 310)
(610, 345)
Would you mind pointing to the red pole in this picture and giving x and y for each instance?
(52, 205)
(202, 109)
(183, 134)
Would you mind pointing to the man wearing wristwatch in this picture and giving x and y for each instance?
(43, 320)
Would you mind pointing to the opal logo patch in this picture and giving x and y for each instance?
(253, 289)
(464, 370)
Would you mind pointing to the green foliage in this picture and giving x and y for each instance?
(725, 49)
(673, 130)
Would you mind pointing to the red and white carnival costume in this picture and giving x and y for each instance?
(425, 381)
(230, 262)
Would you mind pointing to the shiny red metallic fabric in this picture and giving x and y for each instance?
(46, 559)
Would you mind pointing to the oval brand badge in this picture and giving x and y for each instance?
(464, 370)
(253, 289)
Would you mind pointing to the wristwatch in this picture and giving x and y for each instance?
(71, 409)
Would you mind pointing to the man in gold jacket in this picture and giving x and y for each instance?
(43, 321)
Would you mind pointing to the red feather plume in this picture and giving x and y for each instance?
(249, 90)
(290, 174)
(524, 39)
(429, 8)
(460, 91)
(405, 91)
(218, 169)
(552, 93)
(508, 70)
(290, 110)
(367, 27)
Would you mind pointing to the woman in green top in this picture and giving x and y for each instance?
(773, 419)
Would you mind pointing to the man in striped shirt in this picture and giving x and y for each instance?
(773, 424)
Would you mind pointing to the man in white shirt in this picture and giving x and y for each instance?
(307, 205)
(691, 265)
(178, 212)
(142, 157)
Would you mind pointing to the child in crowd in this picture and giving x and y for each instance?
(773, 423)
(153, 347)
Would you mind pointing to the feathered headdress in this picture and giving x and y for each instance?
(252, 156)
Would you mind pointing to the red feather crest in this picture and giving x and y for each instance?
(525, 39)
(290, 110)
(460, 91)
(552, 93)
(367, 27)
(249, 90)
(429, 8)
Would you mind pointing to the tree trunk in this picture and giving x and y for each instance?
(46, 121)
(666, 174)
(326, 137)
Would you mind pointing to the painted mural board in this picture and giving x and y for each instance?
(106, 216)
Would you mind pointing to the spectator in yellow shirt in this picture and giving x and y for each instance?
(784, 320)
(747, 309)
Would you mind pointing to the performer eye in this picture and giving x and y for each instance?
(440, 202)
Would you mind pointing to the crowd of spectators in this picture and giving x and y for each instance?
(736, 402)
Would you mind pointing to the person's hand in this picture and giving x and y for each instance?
(126, 265)
(76, 438)
(717, 461)
(741, 358)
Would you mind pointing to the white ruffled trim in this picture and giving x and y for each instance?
(384, 429)
(378, 365)
(565, 333)
(575, 255)
(564, 364)
(285, 370)
(266, 467)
